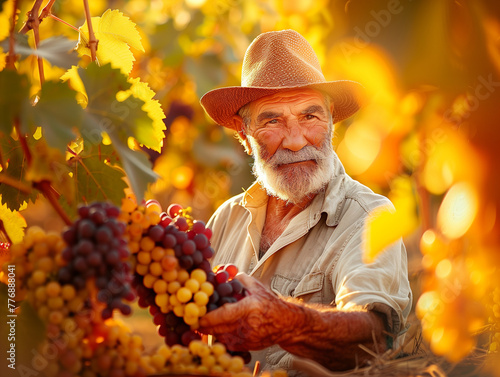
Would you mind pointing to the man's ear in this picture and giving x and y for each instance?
(240, 127)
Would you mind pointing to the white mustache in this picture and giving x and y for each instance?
(286, 156)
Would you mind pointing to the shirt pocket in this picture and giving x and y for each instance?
(308, 289)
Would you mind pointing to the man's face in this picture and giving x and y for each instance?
(290, 136)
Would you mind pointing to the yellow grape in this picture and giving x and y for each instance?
(162, 300)
(218, 349)
(182, 276)
(155, 269)
(199, 275)
(184, 294)
(201, 298)
(191, 310)
(147, 244)
(207, 287)
(160, 286)
(143, 257)
(208, 361)
(173, 287)
(193, 285)
(128, 205)
(142, 269)
(157, 253)
(190, 320)
(137, 217)
(169, 276)
(149, 280)
(179, 310)
(53, 289)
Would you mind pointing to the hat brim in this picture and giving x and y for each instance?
(223, 103)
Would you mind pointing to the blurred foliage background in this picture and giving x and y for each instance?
(428, 138)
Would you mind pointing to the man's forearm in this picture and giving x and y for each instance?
(332, 337)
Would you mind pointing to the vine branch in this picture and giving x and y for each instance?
(11, 58)
(33, 23)
(22, 141)
(47, 10)
(49, 193)
(12, 182)
(92, 39)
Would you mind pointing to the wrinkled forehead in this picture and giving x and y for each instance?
(295, 97)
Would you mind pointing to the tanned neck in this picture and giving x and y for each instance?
(278, 216)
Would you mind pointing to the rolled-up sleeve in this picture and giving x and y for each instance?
(380, 286)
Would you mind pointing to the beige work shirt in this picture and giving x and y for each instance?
(318, 258)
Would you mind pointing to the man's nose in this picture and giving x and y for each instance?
(294, 138)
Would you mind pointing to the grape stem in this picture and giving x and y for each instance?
(92, 39)
(11, 58)
(51, 195)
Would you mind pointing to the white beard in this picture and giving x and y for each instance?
(294, 183)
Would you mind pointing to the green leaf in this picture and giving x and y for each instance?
(150, 134)
(137, 165)
(96, 178)
(57, 112)
(14, 95)
(59, 51)
(119, 119)
(14, 165)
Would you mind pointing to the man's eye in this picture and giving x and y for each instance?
(273, 121)
(310, 116)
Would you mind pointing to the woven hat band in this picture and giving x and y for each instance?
(280, 59)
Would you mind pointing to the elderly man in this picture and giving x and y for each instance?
(297, 231)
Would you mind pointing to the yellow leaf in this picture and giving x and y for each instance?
(76, 84)
(115, 33)
(13, 223)
(387, 224)
(152, 107)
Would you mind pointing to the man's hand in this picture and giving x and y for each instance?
(259, 320)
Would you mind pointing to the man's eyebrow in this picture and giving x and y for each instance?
(314, 109)
(267, 115)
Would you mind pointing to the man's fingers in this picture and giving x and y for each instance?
(227, 313)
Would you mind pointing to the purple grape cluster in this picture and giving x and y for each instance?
(96, 250)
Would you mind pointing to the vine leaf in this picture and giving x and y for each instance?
(59, 51)
(57, 112)
(50, 164)
(13, 223)
(115, 33)
(120, 120)
(153, 139)
(96, 177)
(14, 165)
(14, 94)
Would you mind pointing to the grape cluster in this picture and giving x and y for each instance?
(97, 251)
(37, 259)
(174, 278)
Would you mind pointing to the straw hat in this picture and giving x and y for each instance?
(277, 61)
